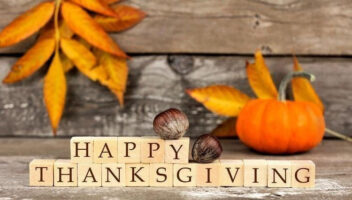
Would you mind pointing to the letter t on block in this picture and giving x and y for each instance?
(41, 172)
(303, 173)
(177, 151)
(82, 149)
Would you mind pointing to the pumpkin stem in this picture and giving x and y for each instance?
(338, 135)
(287, 79)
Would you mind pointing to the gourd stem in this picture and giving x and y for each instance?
(338, 135)
(287, 79)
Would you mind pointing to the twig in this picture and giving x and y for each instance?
(339, 135)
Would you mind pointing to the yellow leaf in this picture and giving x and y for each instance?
(126, 18)
(110, 1)
(96, 6)
(303, 89)
(260, 79)
(220, 99)
(34, 58)
(119, 95)
(82, 58)
(83, 25)
(55, 91)
(226, 129)
(67, 64)
(26, 24)
(65, 31)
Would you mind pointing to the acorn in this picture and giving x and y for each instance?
(206, 149)
(171, 124)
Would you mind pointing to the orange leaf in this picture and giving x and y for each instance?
(67, 64)
(226, 129)
(96, 6)
(260, 79)
(26, 24)
(34, 58)
(65, 31)
(220, 99)
(55, 91)
(303, 89)
(110, 1)
(83, 25)
(126, 18)
(82, 58)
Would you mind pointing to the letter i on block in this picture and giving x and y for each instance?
(177, 151)
(137, 174)
(231, 173)
(89, 174)
(152, 150)
(303, 173)
(255, 173)
(185, 174)
(41, 172)
(105, 150)
(82, 149)
(113, 175)
(129, 149)
(65, 173)
(279, 173)
(208, 174)
(161, 175)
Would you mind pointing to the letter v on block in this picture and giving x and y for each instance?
(231, 173)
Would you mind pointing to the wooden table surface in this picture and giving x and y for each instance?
(332, 158)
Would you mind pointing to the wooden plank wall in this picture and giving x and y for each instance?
(211, 39)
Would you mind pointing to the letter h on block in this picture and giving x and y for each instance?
(65, 173)
(82, 149)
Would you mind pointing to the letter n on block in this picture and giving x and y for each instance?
(177, 151)
(255, 173)
(41, 172)
(82, 149)
(113, 175)
(129, 149)
(105, 150)
(185, 174)
(303, 173)
(65, 173)
(231, 173)
(279, 173)
(137, 174)
(161, 175)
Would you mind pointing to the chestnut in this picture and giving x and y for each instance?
(206, 149)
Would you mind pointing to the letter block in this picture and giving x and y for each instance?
(177, 151)
(137, 174)
(303, 173)
(41, 172)
(65, 173)
(279, 173)
(129, 149)
(89, 174)
(152, 150)
(185, 174)
(105, 150)
(255, 173)
(161, 175)
(231, 173)
(113, 175)
(82, 149)
(208, 174)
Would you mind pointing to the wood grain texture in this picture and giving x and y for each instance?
(191, 26)
(157, 83)
(332, 159)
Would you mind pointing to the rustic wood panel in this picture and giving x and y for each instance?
(332, 159)
(157, 83)
(197, 26)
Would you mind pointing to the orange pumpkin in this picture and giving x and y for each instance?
(281, 126)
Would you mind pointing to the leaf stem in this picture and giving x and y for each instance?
(338, 135)
(287, 79)
(56, 23)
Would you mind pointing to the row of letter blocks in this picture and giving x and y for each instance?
(151, 161)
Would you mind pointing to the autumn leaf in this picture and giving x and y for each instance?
(34, 58)
(26, 24)
(83, 25)
(55, 91)
(226, 129)
(96, 6)
(126, 18)
(260, 79)
(110, 1)
(221, 99)
(302, 88)
(65, 31)
(67, 64)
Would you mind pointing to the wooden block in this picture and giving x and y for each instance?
(152, 150)
(177, 151)
(105, 150)
(137, 174)
(113, 175)
(303, 173)
(231, 173)
(208, 174)
(185, 174)
(41, 172)
(279, 173)
(82, 149)
(65, 173)
(89, 174)
(129, 149)
(255, 173)
(161, 175)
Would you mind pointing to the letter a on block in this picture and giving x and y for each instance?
(105, 150)
(279, 173)
(231, 173)
(255, 173)
(89, 174)
(137, 174)
(129, 149)
(82, 149)
(65, 173)
(303, 173)
(113, 175)
(177, 151)
(41, 172)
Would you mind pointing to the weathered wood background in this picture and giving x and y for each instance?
(191, 43)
